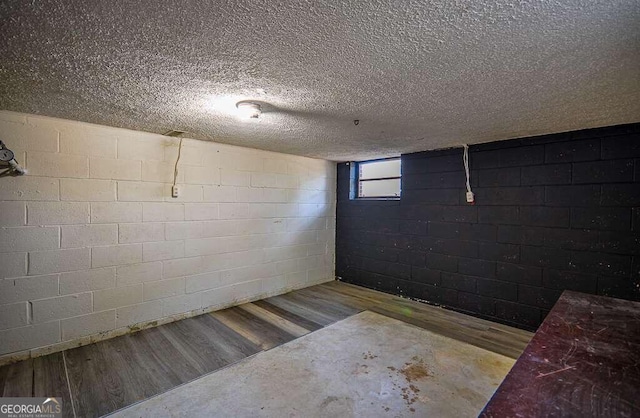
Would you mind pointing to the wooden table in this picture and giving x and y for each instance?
(583, 361)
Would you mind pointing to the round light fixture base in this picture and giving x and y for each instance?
(248, 110)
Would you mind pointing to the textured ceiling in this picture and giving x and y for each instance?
(418, 75)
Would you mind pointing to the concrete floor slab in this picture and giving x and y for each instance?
(364, 366)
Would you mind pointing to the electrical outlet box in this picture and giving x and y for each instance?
(470, 197)
(175, 191)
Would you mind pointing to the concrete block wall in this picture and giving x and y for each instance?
(552, 213)
(93, 245)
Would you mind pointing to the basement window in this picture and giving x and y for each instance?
(379, 179)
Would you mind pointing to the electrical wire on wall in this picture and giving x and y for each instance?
(465, 160)
(174, 188)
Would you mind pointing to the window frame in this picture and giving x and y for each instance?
(355, 176)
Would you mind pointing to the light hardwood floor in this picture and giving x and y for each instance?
(100, 378)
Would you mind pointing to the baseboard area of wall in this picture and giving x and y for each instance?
(90, 339)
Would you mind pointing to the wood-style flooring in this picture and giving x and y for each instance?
(100, 378)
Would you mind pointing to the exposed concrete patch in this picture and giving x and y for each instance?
(366, 365)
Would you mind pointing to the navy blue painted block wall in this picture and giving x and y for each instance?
(553, 212)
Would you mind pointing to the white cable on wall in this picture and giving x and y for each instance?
(465, 160)
(174, 189)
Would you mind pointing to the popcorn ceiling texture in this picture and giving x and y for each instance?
(418, 75)
(92, 245)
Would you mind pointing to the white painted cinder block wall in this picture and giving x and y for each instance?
(92, 245)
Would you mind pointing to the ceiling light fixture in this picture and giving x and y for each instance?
(248, 110)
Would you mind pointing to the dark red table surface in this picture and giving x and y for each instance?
(583, 361)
